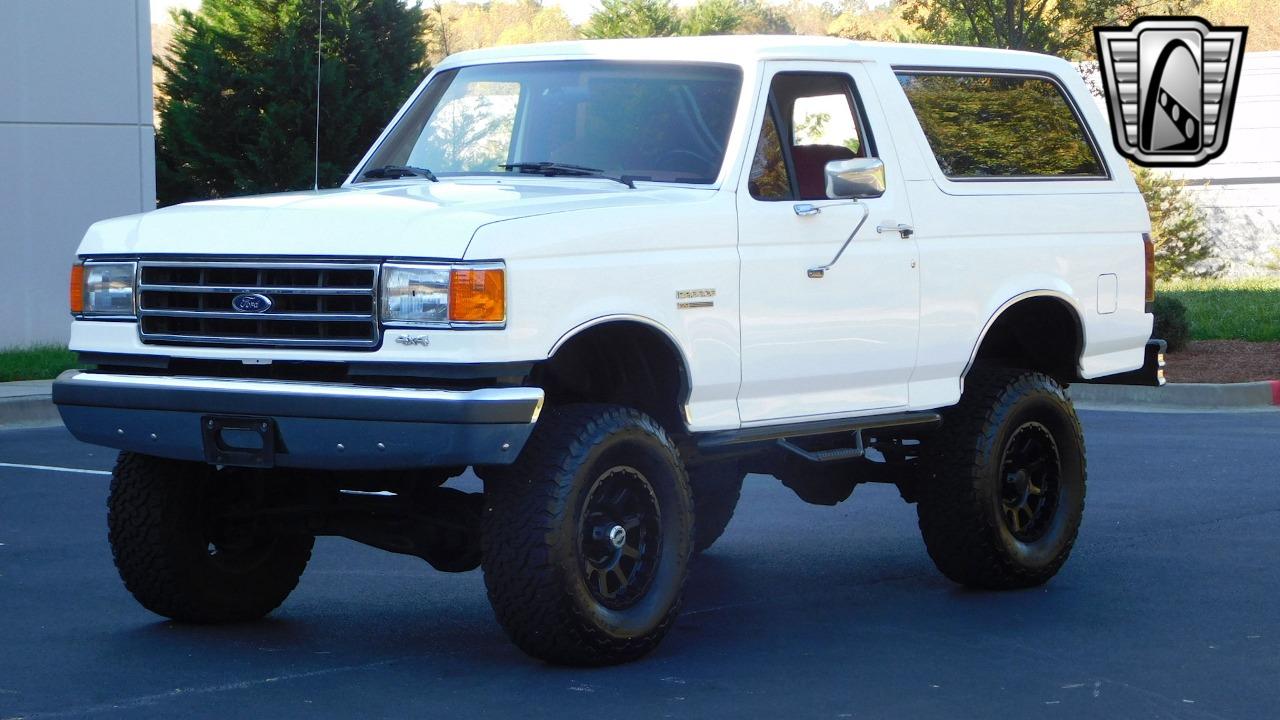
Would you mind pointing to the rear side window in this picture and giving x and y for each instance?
(1001, 126)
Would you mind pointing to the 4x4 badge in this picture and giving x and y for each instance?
(1170, 84)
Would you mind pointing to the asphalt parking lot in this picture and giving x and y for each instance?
(1169, 608)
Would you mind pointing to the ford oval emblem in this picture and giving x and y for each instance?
(251, 303)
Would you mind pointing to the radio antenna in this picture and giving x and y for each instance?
(319, 50)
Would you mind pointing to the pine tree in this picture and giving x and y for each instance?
(633, 19)
(1184, 247)
(714, 17)
(237, 99)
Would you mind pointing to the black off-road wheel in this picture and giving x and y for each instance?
(1003, 488)
(586, 540)
(181, 557)
(716, 491)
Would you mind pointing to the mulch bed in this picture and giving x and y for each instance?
(1224, 361)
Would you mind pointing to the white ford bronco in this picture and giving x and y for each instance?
(612, 278)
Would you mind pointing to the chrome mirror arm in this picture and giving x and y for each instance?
(821, 270)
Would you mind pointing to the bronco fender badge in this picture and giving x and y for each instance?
(413, 340)
(700, 298)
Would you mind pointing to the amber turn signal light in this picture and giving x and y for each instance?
(77, 289)
(478, 296)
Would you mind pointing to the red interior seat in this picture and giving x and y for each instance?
(810, 162)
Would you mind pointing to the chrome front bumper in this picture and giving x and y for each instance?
(312, 425)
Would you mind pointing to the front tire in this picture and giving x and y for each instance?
(716, 491)
(1003, 490)
(587, 538)
(179, 557)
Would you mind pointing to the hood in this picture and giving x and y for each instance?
(415, 218)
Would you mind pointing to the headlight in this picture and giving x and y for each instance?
(415, 294)
(103, 288)
(465, 295)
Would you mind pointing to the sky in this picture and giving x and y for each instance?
(577, 10)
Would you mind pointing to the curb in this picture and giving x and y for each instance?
(28, 403)
(1264, 395)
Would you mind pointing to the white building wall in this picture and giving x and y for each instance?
(1240, 190)
(77, 145)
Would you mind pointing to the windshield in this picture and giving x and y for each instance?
(644, 121)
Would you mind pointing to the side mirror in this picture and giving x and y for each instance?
(855, 179)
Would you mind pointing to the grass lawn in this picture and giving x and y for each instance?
(1242, 309)
(42, 362)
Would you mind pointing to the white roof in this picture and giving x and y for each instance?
(749, 49)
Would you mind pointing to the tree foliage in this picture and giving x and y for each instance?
(713, 17)
(456, 26)
(884, 22)
(1056, 27)
(661, 18)
(633, 19)
(734, 17)
(1184, 247)
(807, 17)
(761, 18)
(237, 99)
(1262, 17)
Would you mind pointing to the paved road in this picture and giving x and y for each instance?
(1169, 608)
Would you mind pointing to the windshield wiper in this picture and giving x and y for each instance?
(552, 169)
(391, 172)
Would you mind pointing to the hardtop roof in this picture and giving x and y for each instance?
(750, 49)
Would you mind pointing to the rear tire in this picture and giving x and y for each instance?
(1003, 490)
(179, 558)
(587, 538)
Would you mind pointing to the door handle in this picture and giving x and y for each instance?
(904, 230)
(806, 209)
(821, 271)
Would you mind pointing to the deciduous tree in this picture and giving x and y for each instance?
(883, 22)
(456, 26)
(1056, 27)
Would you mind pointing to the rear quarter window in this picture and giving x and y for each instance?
(999, 126)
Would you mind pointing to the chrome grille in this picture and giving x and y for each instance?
(312, 304)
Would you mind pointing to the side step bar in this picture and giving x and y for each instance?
(821, 456)
(725, 438)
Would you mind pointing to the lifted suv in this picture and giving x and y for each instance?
(612, 278)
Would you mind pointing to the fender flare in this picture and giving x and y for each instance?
(1007, 304)
(686, 375)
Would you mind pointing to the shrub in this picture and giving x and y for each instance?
(1171, 325)
(1184, 247)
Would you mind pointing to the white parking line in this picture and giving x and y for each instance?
(55, 469)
